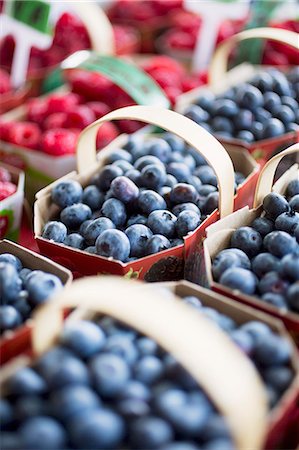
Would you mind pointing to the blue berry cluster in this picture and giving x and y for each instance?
(21, 290)
(263, 108)
(264, 258)
(105, 386)
(145, 199)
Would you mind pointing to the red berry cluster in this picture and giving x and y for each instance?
(7, 188)
(279, 54)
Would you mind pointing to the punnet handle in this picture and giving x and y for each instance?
(221, 369)
(219, 63)
(193, 134)
(266, 177)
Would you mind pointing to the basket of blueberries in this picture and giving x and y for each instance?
(132, 211)
(260, 113)
(27, 280)
(112, 377)
(253, 255)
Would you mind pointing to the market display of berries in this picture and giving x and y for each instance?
(21, 291)
(269, 352)
(145, 199)
(106, 386)
(263, 258)
(7, 188)
(263, 108)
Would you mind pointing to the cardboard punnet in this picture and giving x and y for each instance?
(119, 298)
(220, 80)
(163, 266)
(282, 419)
(218, 238)
(11, 207)
(14, 342)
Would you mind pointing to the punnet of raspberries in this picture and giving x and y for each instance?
(7, 188)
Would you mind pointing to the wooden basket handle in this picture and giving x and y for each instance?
(192, 133)
(219, 63)
(266, 177)
(98, 26)
(221, 369)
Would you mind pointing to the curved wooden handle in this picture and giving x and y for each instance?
(218, 65)
(98, 26)
(192, 133)
(221, 369)
(266, 177)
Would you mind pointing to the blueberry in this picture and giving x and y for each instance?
(24, 274)
(11, 259)
(263, 225)
(176, 157)
(30, 406)
(272, 350)
(10, 282)
(280, 243)
(146, 161)
(294, 203)
(123, 347)
(292, 188)
(290, 102)
(273, 128)
(275, 300)
(55, 231)
(124, 189)
(221, 125)
(162, 221)
(66, 193)
(148, 370)
(135, 146)
(176, 143)
(206, 189)
(170, 180)
(70, 401)
(180, 171)
(91, 249)
(271, 101)
(193, 301)
(187, 221)
(206, 101)
(281, 86)
(106, 174)
(196, 113)
(133, 175)
(125, 166)
(239, 279)
(25, 382)
(73, 216)
(52, 358)
(244, 260)
(146, 346)
(225, 107)
(153, 176)
(262, 115)
(157, 243)
(137, 219)
(150, 432)
(292, 127)
(110, 374)
(92, 197)
(287, 222)
(271, 282)
(247, 239)
(284, 114)
(42, 286)
(186, 207)
(275, 204)
(256, 329)
(113, 244)
(83, 337)
(6, 413)
(278, 377)
(119, 154)
(296, 234)
(66, 372)
(42, 433)
(159, 148)
(249, 97)
(211, 203)
(263, 81)
(264, 263)
(149, 201)
(84, 226)
(206, 175)
(289, 268)
(135, 390)
(96, 228)
(257, 130)
(75, 240)
(183, 193)
(10, 441)
(219, 444)
(244, 120)
(245, 135)
(114, 210)
(138, 236)
(215, 428)
(293, 297)
(243, 340)
(224, 261)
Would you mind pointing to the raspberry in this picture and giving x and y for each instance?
(129, 126)
(190, 82)
(91, 85)
(59, 142)
(165, 78)
(25, 134)
(6, 189)
(99, 108)
(4, 130)
(70, 33)
(4, 174)
(163, 62)
(181, 40)
(274, 58)
(62, 102)
(172, 93)
(80, 117)
(127, 40)
(37, 110)
(106, 134)
(186, 21)
(5, 85)
(55, 120)
(163, 7)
